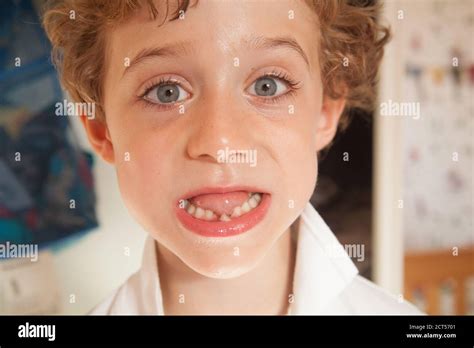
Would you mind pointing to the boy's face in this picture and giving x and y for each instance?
(166, 142)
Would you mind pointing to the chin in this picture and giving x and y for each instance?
(222, 268)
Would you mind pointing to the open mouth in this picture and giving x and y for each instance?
(222, 213)
(231, 205)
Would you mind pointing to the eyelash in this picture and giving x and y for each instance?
(154, 84)
(292, 84)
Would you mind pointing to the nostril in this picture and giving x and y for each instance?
(207, 158)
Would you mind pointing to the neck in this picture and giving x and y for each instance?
(263, 290)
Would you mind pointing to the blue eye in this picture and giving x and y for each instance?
(166, 93)
(268, 86)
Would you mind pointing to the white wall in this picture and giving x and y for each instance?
(387, 217)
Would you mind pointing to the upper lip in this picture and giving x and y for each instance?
(226, 189)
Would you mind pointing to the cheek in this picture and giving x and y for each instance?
(302, 168)
(298, 157)
(142, 166)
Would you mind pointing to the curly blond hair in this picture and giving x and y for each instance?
(351, 45)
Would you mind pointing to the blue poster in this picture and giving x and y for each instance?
(46, 184)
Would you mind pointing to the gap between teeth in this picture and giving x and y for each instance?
(206, 214)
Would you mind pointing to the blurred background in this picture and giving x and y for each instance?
(397, 186)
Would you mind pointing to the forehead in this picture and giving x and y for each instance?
(217, 26)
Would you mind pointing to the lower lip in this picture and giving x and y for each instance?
(233, 227)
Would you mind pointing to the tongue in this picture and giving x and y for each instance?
(220, 203)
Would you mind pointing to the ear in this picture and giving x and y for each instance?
(99, 137)
(328, 121)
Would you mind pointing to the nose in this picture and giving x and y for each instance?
(217, 122)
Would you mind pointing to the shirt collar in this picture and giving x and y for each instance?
(322, 269)
(150, 280)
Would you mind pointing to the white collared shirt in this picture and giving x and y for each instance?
(325, 282)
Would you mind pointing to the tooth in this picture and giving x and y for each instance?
(257, 197)
(224, 217)
(253, 202)
(199, 213)
(237, 212)
(250, 194)
(191, 209)
(246, 207)
(208, 214)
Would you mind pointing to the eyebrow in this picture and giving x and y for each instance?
(174, 50)
(261, 42)
(186, 48)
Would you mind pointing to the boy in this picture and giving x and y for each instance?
(213, 113)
